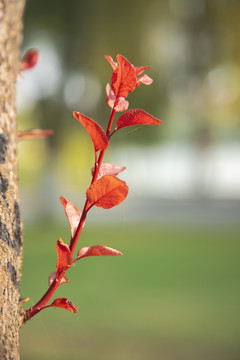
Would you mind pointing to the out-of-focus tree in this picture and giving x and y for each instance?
(10, 225)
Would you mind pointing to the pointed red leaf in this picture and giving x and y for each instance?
(123, 78)
(29, 60)
(140, 69)
(64, 304)
(110, 169)
(107, 192)
(34, 134)
(120, 105)
(52, 277)
(113, 64)
(136, 117)
(64, 260)
(97, 250)
(97, 134)
(72, 213)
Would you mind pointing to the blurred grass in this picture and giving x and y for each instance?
(173, 295)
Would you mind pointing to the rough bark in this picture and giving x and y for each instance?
(11, 12)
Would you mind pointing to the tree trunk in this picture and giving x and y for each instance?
(11, 12)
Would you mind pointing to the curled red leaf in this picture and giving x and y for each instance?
(136, 117)
(64, 260)
(72, 213)
(64, 304)
(123, 80)
(29, 60)
(144, 79)
(97, 250)
(52, 277)
(34, 134)
(120, 105)
(97, 134)
(109, 169)
(106, 192)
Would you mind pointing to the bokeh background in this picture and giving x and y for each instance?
(175, 293)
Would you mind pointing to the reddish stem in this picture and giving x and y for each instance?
(57, 281)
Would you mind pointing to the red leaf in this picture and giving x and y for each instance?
(113, 64)
(65, 304)
(72, 213)
(107, 192)
(123, 78)
(97, 250)
(64, 260)
(136, 117)
(144, 79)
(97, 134)
(120, 105)
(29, 60)
(52, 277)
(140, 69)
(34, 134)
(109, 169)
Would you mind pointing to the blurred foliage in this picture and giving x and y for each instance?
(174, 294)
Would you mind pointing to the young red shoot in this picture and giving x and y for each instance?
(105, 190)
(29, 60)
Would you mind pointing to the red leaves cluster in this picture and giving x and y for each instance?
(120, 105)
(125, 78)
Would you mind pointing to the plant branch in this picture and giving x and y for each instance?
(41, 304)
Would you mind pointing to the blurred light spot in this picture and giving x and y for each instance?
(169, 45)
(222, 85)
(74, 89)
(82, 90)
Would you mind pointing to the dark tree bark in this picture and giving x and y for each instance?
(11, 12)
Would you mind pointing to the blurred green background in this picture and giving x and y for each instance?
(175, 293)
